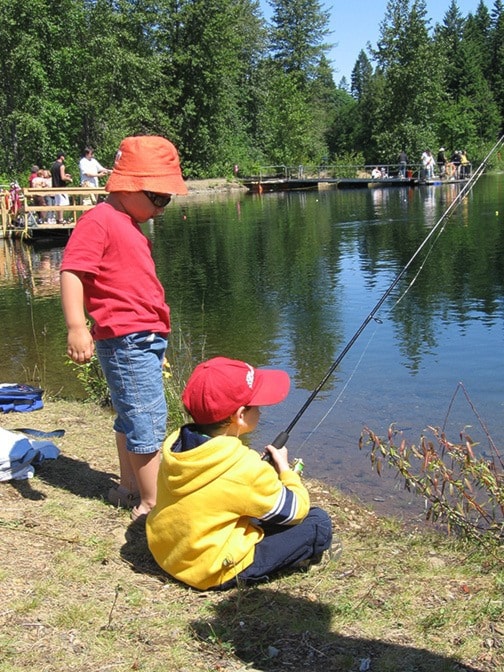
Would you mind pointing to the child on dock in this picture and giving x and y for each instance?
(108, 272)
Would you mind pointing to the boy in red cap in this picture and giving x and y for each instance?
(223, 516)
(108, 272)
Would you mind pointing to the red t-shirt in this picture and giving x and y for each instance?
(113, 258)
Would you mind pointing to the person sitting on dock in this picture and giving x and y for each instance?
(376, 173)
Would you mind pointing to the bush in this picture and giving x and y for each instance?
(92, 379)
(462, 490)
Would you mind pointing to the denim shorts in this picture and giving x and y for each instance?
(133, 368)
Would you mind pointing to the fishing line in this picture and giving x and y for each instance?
(283, 437)
(341, 393)
(420, 268)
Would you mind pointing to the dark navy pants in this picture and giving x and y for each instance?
(283, 546)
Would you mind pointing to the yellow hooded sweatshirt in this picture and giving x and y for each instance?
(200, 531)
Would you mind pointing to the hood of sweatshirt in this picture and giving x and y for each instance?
(191, 460)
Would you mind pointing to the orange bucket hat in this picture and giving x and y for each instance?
(147, 163)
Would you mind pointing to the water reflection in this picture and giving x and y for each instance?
(286, 280)
(35, 270)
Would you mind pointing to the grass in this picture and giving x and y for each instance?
(79, 590)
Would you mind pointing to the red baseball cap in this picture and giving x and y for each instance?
(219, 386)
(147, 163)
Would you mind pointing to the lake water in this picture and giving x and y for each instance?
(286, 280)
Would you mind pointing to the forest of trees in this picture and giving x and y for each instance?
(228, 87)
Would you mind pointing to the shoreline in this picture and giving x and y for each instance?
(213, 186)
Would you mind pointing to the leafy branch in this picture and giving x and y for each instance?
(462, 488)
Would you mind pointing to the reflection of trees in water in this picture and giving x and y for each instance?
(285, 279)
(36, 270)
(32, 349)
(462, 268)
(259, 283)
(271, 282)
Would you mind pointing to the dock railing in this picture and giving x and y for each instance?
(31, 214)
(354, 172)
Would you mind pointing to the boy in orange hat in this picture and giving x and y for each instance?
(223, 516)
(108, 272)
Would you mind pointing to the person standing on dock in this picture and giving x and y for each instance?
(60, 179)
(465, 166)
(441, 162)
(403, 161)
(91, 169)
(39, 182)
(428, 165)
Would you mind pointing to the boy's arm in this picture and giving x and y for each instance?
(80, 345)
(286, 495)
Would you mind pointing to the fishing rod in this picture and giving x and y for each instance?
(283, 437)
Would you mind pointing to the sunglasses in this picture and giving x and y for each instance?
(158, 200)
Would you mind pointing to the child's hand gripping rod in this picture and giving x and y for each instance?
(283, 437)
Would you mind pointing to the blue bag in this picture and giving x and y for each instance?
(21, 398)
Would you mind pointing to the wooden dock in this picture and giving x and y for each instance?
(22, 218)
(267, 185)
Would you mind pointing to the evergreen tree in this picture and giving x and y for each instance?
(115, 62)
(34, 117)
(324, 97)
(228, 88)
(285, 121)
(477, 31)
(295, 79)
(359, 118)
(343, 134)
(297, 35)
(361, 75)
(497, 57)
(209, 55)
(411, 90)
(469, 116)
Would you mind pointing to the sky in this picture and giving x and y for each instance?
(354, 23)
